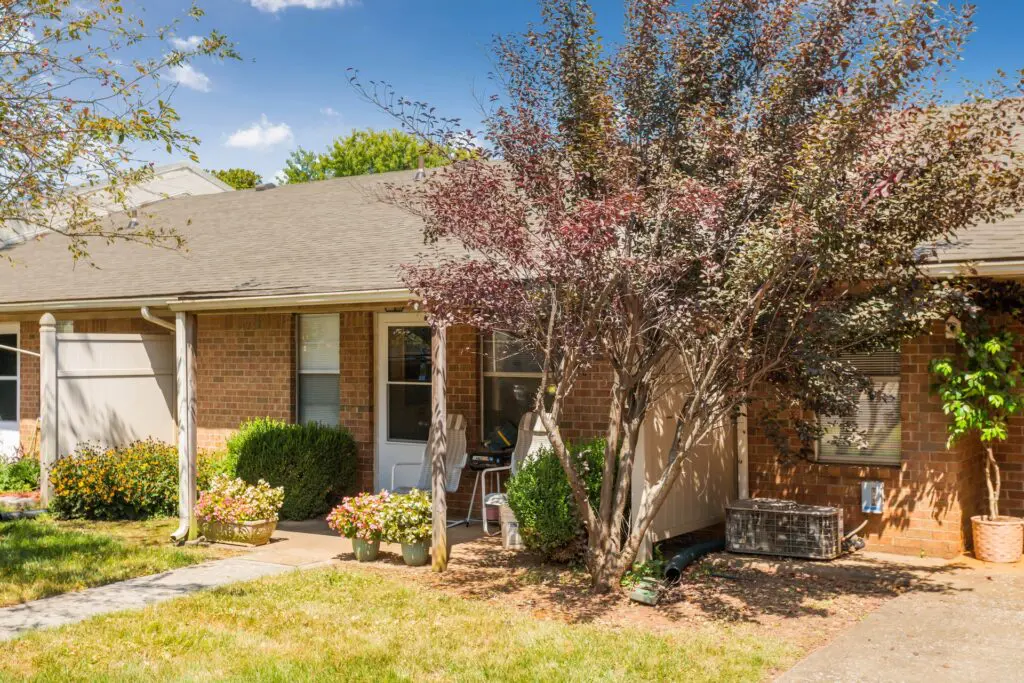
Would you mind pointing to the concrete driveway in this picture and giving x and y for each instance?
(963, 623)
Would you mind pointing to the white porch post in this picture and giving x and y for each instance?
(438, 447)
(47, 404)
(185, 363)
(742, 456)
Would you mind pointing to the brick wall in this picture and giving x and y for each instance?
(29, 387)
(245, 368)
(356, 342)
(928, 498)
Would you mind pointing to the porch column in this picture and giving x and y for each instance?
(47, 404)
(185, 364)
(439, 446)
(742, 455)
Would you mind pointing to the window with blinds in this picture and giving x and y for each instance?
(511, 377)
(319, 369)
(872, 436)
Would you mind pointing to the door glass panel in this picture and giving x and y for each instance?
(8, 359)
(408, 412)
(8, 400)
(409, 354)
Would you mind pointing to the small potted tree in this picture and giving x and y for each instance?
(232, 511)
(406, 519)
(980, 390)
(359, 518)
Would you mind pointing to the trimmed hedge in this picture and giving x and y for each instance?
(134, 481)
(315, 464)
(541, 499)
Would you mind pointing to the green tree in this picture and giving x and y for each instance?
(78, 97)
(980, 389)
(366, 151)
(239, 178)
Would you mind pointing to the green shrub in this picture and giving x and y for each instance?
(21, 474)
(134, 481)
(541, 499)
(315, 464)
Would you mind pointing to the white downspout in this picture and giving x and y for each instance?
(155, 320)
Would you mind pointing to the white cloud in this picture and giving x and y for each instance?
(190, 77)
(278, 5)
(190, 43)
(329, 111)
(261, 135)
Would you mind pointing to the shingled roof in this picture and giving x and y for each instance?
(332, 236)
(329, 236)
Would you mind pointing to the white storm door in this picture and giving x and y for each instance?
(403, 370)
(9, 389)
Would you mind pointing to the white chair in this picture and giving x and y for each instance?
(454, 459)
(531, 438)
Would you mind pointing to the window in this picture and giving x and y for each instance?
(8, 379)
(65, 326)
(409, 383)
(511, 377)
(319, 360)
(872, 436)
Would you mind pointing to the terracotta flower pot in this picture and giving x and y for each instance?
(239, 533)
(365, 551)
(997, 540)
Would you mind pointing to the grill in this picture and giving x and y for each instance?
(766, 526)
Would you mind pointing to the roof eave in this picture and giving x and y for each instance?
(1008, 268)
(199, 304)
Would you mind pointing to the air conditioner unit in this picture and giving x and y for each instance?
(766, 526)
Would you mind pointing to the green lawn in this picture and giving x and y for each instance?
(331, 624)
(41, 557)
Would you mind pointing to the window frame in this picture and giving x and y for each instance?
(486, 337)
(15, 329)
(299, 372)
(868, 460)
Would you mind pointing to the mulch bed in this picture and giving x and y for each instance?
(803, 602)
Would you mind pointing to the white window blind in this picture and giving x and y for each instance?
(319, 361)
(873, 435)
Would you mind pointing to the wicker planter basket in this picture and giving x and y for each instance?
(242, 533)
(997, 540)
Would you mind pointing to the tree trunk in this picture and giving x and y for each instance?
(993, 481)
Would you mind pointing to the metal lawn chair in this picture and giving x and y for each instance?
(455, 459)
(531, 438)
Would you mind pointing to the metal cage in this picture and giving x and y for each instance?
(767, 526)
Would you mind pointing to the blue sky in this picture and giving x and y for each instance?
(291, 88)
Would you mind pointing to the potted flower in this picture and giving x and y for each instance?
(407, 519)
(232, 511)
(980, 390)
(359, 518)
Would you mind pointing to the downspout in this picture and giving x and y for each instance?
(155, 320)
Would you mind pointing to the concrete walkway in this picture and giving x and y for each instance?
(294, 545)
(961, 624)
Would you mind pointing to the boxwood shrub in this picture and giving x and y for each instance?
(133, 481)
(542, 501)
(315, 464)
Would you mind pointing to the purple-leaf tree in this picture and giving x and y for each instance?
(720, 208)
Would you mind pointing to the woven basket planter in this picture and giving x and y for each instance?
(997, 540)
(242, 533)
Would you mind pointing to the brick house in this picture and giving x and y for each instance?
(296, 311)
